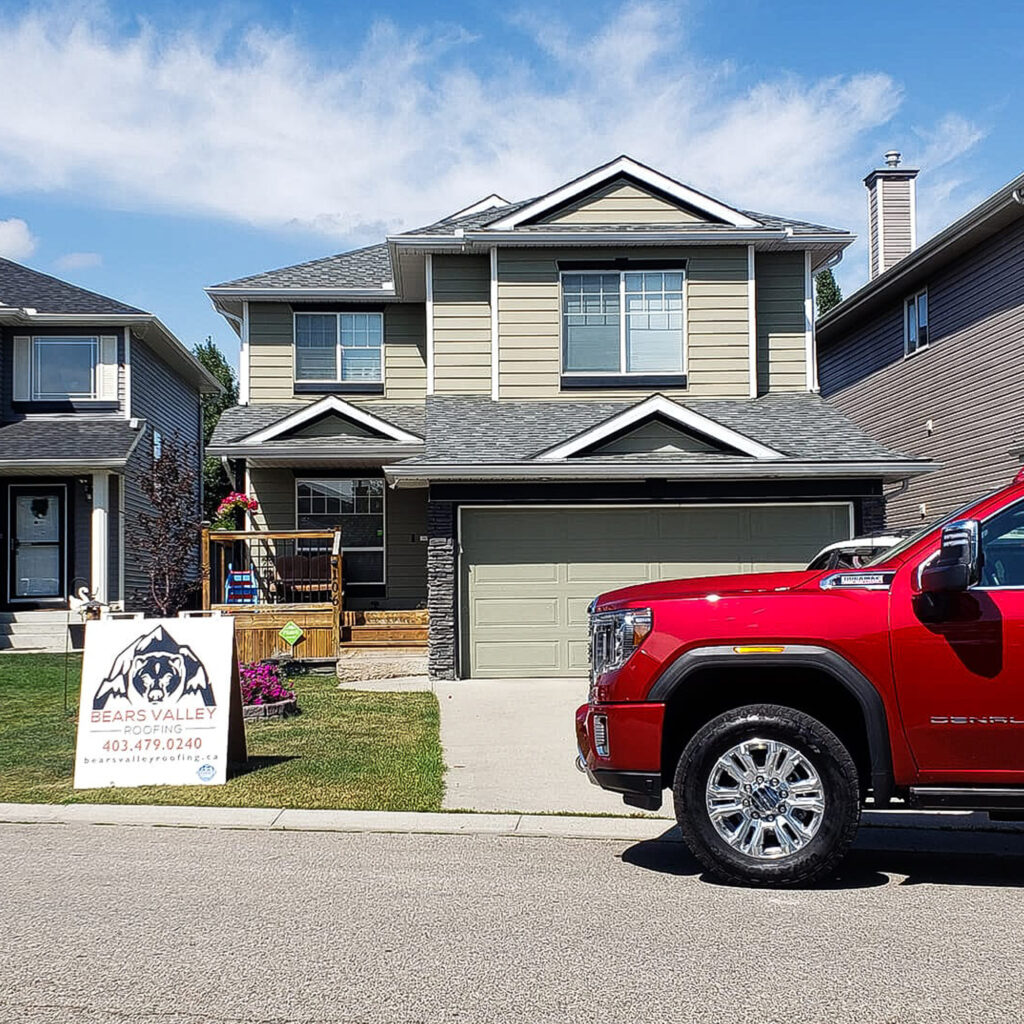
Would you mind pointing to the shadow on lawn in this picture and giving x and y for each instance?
(923, 855)
(257, 763)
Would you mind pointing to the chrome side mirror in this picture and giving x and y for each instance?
(958, 563)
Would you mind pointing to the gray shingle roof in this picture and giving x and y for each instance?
(69, 440)
(23, 287)
(368, 267)
(479, 431)
(242, 420)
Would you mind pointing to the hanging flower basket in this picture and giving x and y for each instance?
(227, 510)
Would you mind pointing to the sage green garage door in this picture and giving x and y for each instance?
(527, 575)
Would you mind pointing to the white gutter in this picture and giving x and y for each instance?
(759, 469)
(258, 451)
(271, 294)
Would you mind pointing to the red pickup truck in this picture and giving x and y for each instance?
(776, 705)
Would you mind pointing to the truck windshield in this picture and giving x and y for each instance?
(909, 542)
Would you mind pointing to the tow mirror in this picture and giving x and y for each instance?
(958, 563)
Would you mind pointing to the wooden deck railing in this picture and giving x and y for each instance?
(245, 570)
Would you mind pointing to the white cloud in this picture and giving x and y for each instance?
(79, 260)
(401, 129)
(16, 241)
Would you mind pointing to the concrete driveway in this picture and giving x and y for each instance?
(510, 745)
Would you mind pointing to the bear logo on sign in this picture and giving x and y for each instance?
(155, 671)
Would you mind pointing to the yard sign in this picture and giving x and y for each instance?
(160, 703)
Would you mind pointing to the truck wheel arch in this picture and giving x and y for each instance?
(802, 656)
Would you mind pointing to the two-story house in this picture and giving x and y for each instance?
(928, 356)
(527, 403)
(89, 388)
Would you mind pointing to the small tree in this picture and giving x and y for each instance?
(166, 537)
(216, 484)
(828, 291)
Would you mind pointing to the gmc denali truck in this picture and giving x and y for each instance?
(775, 705)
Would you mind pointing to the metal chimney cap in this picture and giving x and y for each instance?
(893, 157)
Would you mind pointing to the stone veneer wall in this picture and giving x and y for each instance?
(441, 571)
(872, 516)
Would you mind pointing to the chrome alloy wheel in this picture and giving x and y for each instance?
(765, 799)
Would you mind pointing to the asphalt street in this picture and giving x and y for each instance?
(114, 924)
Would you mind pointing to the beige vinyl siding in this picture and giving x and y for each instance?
(462, 325)
(874, 268)
(405, 524)
(896, 215)
(272, 353)
(529, 321)
(623, 203)
(781, 337)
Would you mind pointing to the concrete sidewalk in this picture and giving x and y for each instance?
(269, 819)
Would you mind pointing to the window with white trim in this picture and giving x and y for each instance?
(338, 347)
(356, 507)
(65, 368)
(622, 323)
(915, 322)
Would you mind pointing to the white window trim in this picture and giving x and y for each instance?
(659, 405)
(908, 352)
(621, 371)
(384, 523)
(95, 396)
(337, 347)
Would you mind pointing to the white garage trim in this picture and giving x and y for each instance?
(461, 654)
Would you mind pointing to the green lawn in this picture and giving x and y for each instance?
(348, 749)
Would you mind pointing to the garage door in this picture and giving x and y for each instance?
(527, 575)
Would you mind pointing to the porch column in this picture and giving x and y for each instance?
(100, 535)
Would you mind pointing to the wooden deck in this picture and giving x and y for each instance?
(290, 578)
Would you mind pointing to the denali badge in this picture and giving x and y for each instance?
(976, 720)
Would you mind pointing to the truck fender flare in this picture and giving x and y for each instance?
(798, 656)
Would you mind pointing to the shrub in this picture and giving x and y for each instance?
(262, 683)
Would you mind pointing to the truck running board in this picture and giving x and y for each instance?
(967, 798)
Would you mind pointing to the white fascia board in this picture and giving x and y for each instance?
(270, 294)
(257, 454)
(659, 405)
(330, 403)
(647, 175)
(486, 236)
(784, 470)
(70, 466)
(491, 202)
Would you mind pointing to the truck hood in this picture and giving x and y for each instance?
(702, 586)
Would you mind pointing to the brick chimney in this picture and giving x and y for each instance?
(892, 214)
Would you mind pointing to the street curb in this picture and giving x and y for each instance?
(535, 826)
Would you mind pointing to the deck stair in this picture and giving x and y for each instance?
(385, 628)
(40, 631)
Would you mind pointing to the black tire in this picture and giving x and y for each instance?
(837, 824)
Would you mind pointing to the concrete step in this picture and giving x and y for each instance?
(48, 644)
(37, 615)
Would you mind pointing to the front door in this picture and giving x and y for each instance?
(959, 663)
(38, 543)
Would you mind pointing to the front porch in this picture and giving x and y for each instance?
(285, 590)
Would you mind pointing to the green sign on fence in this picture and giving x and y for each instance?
(291, 633)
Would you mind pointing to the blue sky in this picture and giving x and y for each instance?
(150, 149)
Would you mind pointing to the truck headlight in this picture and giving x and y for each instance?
(614, 636)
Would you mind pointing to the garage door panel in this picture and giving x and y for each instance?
(529, 575)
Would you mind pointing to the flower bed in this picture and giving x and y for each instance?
(264, 693)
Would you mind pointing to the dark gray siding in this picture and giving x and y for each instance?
(114, 539)
(959, 401)
(172, 406)
(80, 549)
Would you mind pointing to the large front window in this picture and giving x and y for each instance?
(65, 368)
(621, 323)
(338, 347)
(356, 507)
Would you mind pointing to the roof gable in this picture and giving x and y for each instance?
(656, 436)
(625, 201)
(693, 430)
(331, 412)
(625, 166)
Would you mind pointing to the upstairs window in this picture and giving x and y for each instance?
(338, 347)
(915, 323)
(623, 323)
(65, 368)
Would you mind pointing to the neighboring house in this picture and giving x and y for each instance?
(89, 387)
(929, 355)
(525, 404)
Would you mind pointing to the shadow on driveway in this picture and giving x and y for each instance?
(921, 855)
